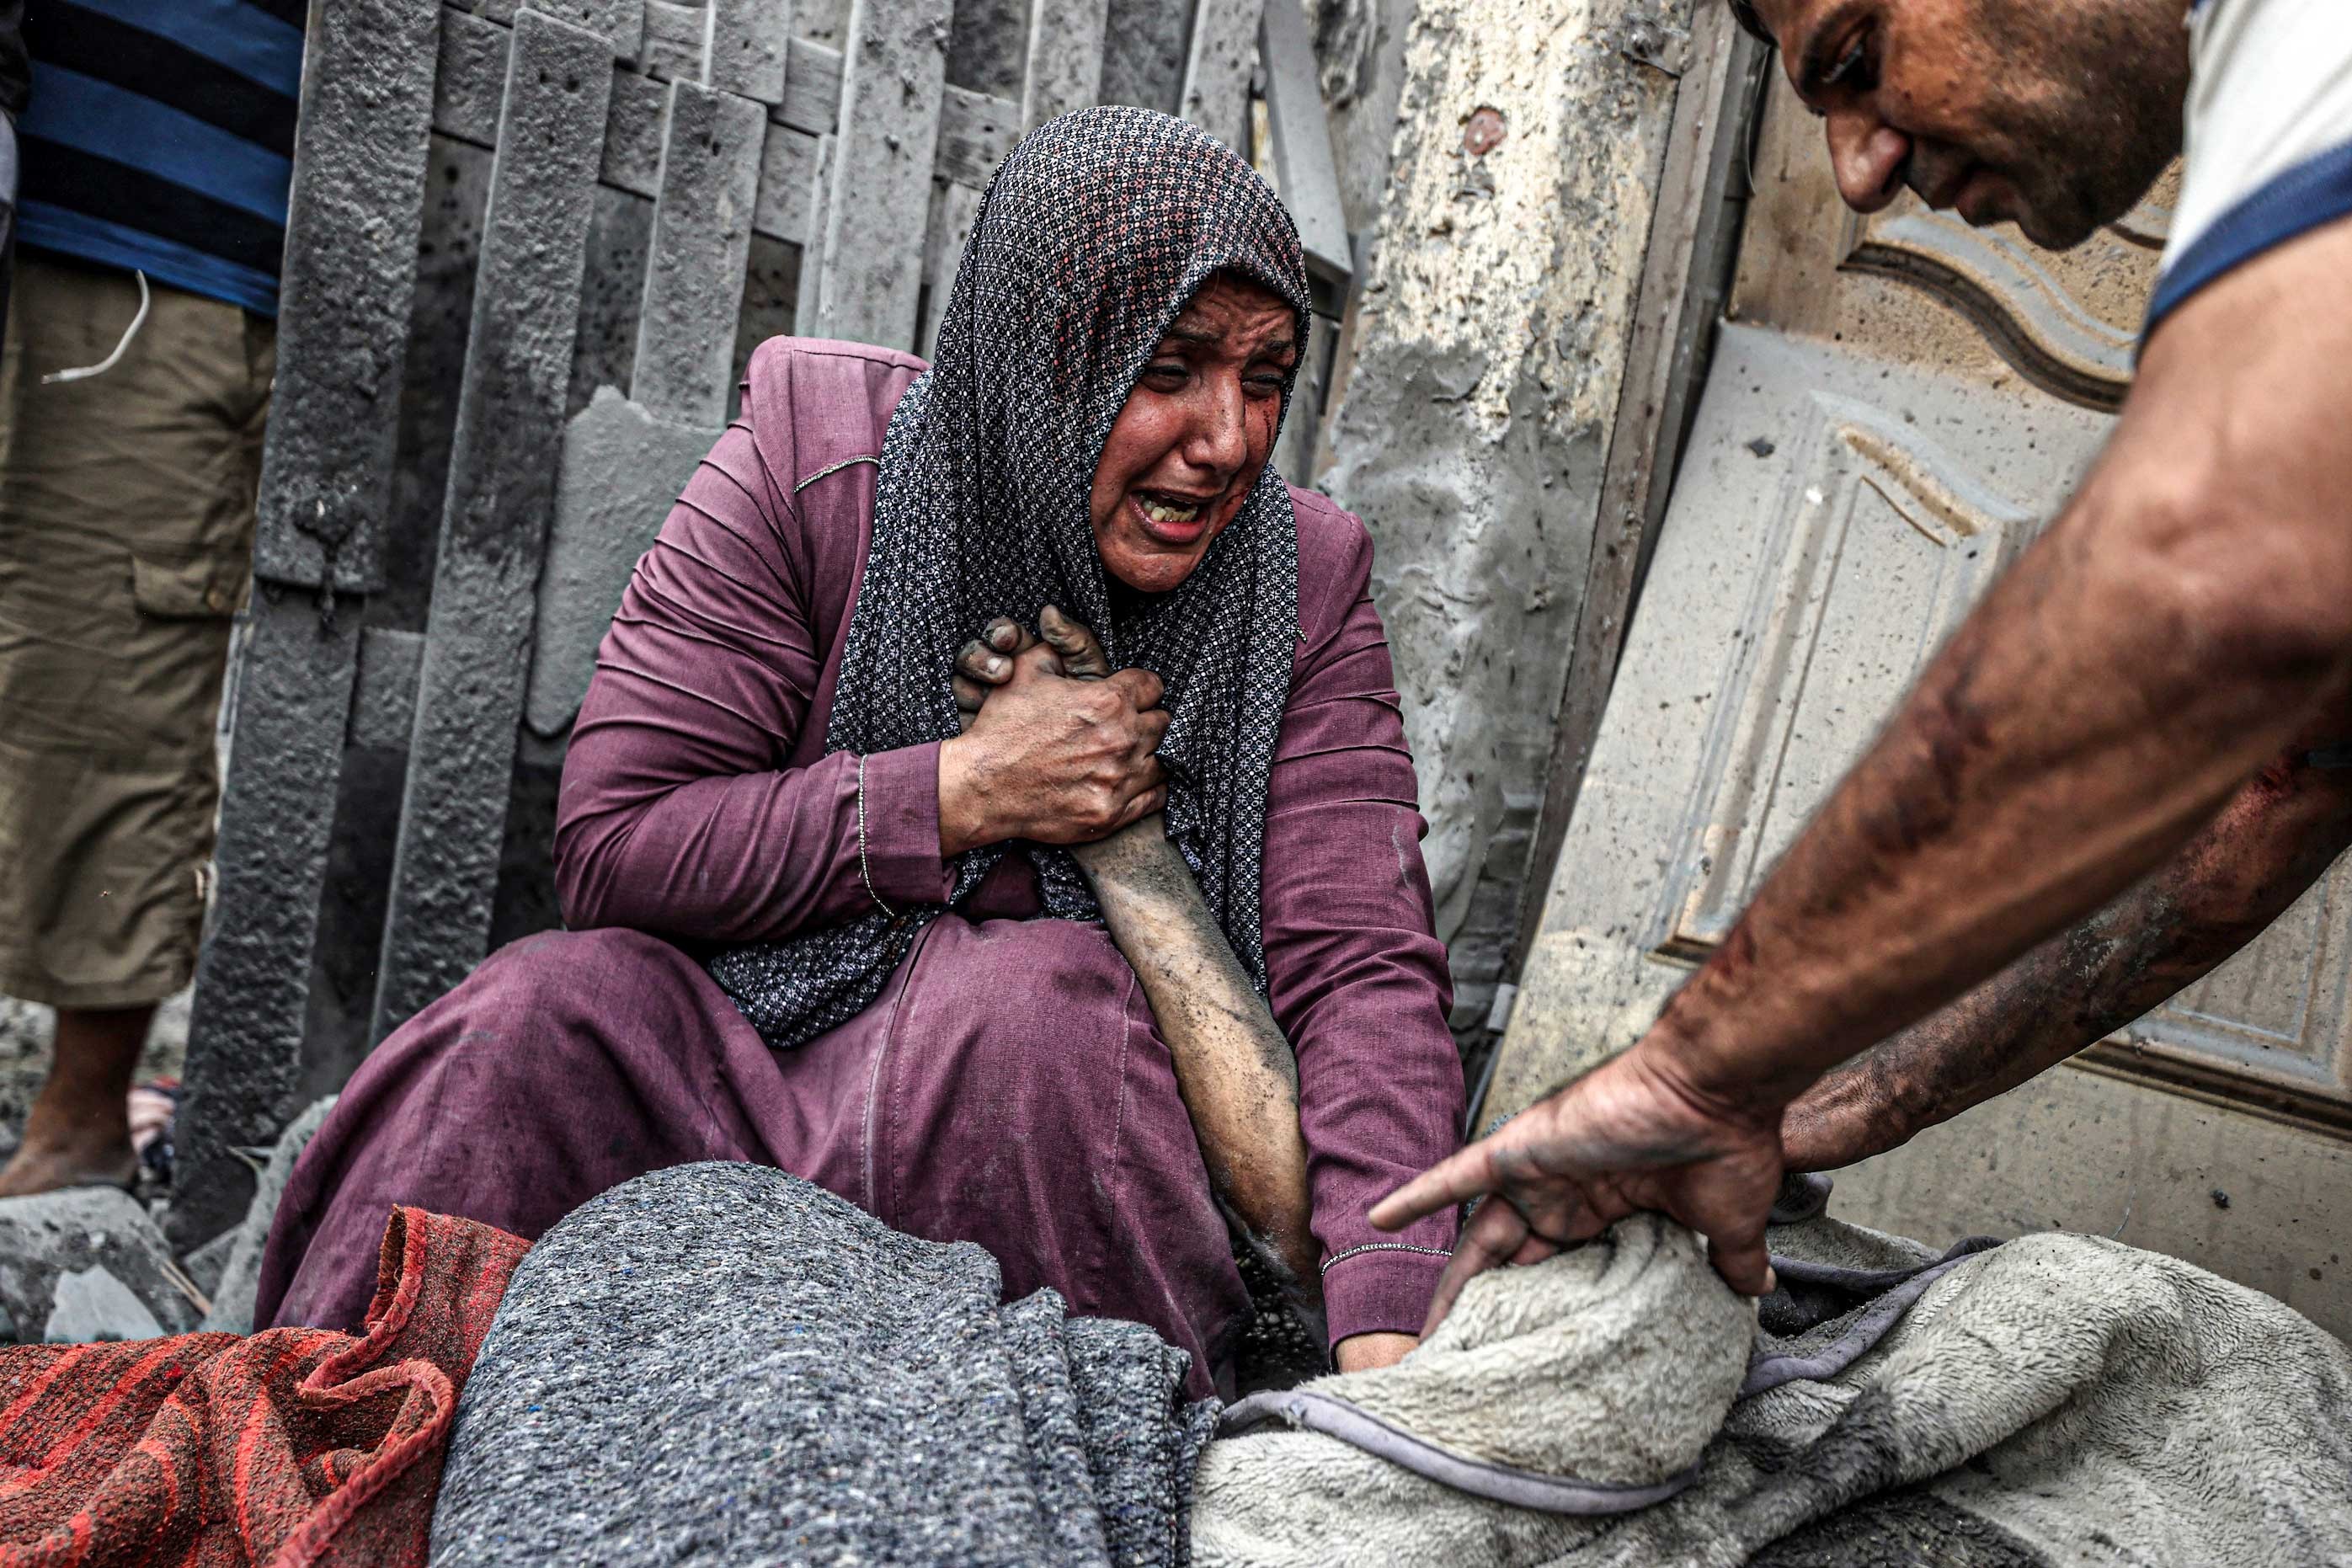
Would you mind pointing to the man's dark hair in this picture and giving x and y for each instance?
(1744, 12)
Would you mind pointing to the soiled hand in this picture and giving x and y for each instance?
(1056, 748)
(1235, 1071)
(1628, 1135)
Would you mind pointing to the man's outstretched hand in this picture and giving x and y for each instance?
(1628, 1135)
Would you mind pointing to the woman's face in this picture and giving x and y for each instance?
(1193, 435)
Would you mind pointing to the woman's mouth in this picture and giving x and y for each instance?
(1170, 520)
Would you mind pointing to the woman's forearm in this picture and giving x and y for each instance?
(2274, 840)
(1235, 1069)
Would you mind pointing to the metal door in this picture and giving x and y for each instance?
(1895, 405)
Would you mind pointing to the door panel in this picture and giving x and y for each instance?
(2069, 323)
(1837, 511)
(1896, 405)
(1881, 541)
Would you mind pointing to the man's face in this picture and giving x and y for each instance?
(2055, 114)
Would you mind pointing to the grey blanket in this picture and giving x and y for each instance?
(721, 1363)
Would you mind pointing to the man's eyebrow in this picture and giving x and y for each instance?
(1819, 60)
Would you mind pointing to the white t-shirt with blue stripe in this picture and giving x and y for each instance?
(2269, 137)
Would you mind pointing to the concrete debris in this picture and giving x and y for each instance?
(622, 466)
(502, 457)
(1143, 53)
(207, 1265)
(91, 1304)
(355, 216)
(1490, 358)
(48, 1240)
(240, 1276)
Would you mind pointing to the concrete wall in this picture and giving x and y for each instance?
(1489, 352)
(1359, 44)
(826, 21)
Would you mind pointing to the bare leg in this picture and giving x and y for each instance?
(79, 1132)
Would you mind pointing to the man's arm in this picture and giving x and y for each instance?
(2271, 842)
(2173, 629)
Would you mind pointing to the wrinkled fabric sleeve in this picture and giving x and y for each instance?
(677, 815)
(1359, 981)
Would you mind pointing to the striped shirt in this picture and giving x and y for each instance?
(160, 136)
(2269, 144)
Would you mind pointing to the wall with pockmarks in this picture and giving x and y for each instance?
(1489, 356)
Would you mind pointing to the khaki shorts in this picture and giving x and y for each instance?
(126, 543)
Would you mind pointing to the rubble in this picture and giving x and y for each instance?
(232, 1311)
(51, 1244)
(92, 1304)
(208, 1264)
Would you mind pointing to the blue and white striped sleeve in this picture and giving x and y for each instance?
(2269, 136)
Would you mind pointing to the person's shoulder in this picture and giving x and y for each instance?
(837, 351)
(1331, 539)
(1335, 561)
(1334, 546)
(2269, 143)
(817, 402)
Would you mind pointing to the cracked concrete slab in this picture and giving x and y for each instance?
(1490, 352)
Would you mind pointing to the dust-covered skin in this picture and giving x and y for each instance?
(2279, 835)
(2056, 115)
(1054, 759)
(1235, 1069)
(2186, 616)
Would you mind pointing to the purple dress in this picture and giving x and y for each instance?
(1008, 1087)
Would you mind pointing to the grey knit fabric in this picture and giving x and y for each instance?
(1143, 1462)
(1094, 235)
(721, 1363)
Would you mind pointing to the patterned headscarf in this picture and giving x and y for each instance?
(1095, 233)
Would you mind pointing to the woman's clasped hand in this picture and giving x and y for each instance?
(1056, 748)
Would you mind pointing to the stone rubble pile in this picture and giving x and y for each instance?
(89, 1263)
